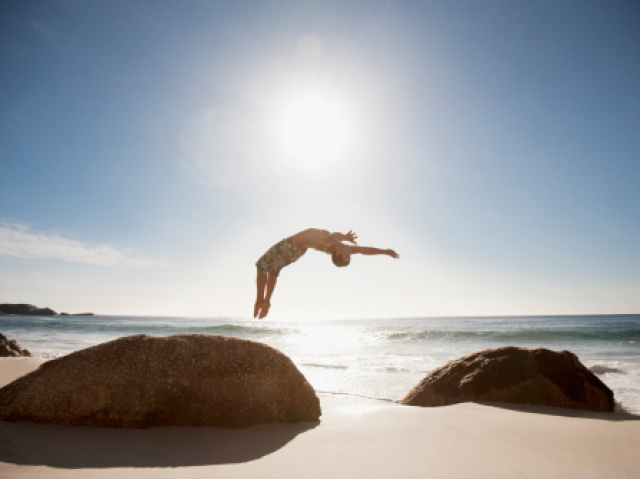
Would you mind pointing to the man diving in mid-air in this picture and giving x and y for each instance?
(292, 248)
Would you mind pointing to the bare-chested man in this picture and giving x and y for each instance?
(292, 248)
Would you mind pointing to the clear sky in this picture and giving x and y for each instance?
(151, 151)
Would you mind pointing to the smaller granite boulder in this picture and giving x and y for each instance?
(11, 349)
(185, 380)
(514, 375)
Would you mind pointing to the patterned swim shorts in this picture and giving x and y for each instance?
(278, 256)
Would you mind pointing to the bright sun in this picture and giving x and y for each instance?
(314, 129)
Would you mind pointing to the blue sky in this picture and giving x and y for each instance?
(146, 165)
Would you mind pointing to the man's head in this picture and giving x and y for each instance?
(340, 255)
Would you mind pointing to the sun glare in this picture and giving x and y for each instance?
(314, 130)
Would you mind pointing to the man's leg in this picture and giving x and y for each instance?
(272, 279)
(261, 283)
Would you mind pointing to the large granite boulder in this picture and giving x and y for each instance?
(514, 375)
(11, 349)
(142, 381)
(25, 310)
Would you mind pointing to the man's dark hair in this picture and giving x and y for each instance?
(339, 261)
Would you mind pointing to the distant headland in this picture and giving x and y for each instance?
(32, 310)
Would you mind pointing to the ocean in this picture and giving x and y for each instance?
(381, 358)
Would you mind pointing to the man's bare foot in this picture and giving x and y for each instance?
(256, 308)
(264, 310)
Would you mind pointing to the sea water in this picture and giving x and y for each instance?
(382, 358)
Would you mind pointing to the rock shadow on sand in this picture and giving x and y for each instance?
(25, 443)
(562, 412)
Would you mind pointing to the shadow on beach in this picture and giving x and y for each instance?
(25, 443)
(563, 412)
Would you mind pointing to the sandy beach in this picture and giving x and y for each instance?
(356, 437)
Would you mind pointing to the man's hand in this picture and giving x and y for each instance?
(392, 253)
(334, 238)
(350, 237)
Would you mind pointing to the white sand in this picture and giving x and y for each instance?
(356, 438)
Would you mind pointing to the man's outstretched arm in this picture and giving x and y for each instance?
(369, 250)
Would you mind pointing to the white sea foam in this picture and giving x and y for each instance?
(326, 366)
(46, 355)
(623, 378)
